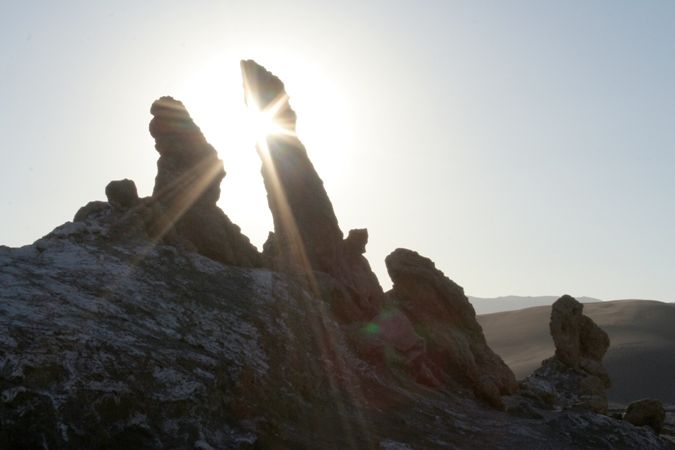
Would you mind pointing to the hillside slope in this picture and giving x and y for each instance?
(484, 305)
(641, 357)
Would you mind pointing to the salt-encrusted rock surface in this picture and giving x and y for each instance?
(120, 344)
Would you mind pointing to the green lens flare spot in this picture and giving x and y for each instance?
(372, 328)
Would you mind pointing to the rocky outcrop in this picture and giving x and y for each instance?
(579, 342)
(308, 239)
(109, 343)
(648, 412)
(182, 210)
(442, 315)
(307, 236)
(187, 187)
(574, 377)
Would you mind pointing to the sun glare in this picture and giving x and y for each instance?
(214, 97)
(260, 124)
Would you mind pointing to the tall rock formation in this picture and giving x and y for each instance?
(442, 315)
(187, 187)
(574, 377)
(306, 236)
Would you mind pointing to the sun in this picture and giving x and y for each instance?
(261, 123)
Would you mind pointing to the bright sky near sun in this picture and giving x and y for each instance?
(527, 147)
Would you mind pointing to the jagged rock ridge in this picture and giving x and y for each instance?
(452, 346)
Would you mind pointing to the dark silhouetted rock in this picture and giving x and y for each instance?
(576, 336)
(646, 412)
(307, 236)
(443, 316)
(355, 243)
(575, 371)
(565, 326)
(89, 209)
(122, 193)
(187, 187)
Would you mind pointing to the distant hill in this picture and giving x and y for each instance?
(641, 356)
(513, 302)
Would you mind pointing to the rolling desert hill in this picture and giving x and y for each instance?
(641, 357)
(511, 302)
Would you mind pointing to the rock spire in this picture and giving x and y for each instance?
(574, 377)
(306, 236)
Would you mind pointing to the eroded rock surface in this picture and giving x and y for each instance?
(574, 377)
(442, 315)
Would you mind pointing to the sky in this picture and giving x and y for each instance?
(527, 147)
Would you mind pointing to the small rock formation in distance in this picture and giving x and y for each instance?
(574, 377)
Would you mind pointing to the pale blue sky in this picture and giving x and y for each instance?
(527, 147)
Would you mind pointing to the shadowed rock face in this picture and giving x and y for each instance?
(307, 236)
(187, 187)
(574, 377)
(442, 315)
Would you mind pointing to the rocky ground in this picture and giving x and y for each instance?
(129, 346)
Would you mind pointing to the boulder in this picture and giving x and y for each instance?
(122, 193)
(648, 412)
(442, 315)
